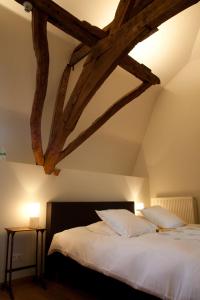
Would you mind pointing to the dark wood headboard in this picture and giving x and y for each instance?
(65, 215)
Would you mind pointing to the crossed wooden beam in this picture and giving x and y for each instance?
(134, 21)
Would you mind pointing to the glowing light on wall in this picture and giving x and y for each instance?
(34, 214)
(148, 51)
(138, 207)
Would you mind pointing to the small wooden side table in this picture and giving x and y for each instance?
(9, 255)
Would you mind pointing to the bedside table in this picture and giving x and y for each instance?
(9, 255)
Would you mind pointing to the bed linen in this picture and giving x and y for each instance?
(164, 264)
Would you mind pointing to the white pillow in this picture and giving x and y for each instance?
(102, 228)
(162, 217)
(125, 222)
(148, 222)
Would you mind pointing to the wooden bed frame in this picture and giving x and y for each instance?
(66, 215)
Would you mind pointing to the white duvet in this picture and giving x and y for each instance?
(165, 264)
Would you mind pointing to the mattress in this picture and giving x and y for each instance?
(165, 264)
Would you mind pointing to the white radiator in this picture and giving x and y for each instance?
(184, 207)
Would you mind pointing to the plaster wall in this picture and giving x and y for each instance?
(169, 154)
(22, 184)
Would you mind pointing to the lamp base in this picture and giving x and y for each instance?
(34, 222)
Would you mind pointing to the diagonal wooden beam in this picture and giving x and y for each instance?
(126, 10)
(98, 123)
(139, 5)
(138, 70)
(57, 122)
(108, 52)
(40, 43)
(59, 104)
(62, 19)
(81, 30)
(83, 50)
(124, 7)
(103, 59)
(127, 63)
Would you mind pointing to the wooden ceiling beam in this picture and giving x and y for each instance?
(138, 70)
(107, 53)
(87, 34)
(59, 104)
(124, 7)
(99, 122)
(134, 8)
(129, 27)
(138, 6)
(62, 19)
(83, 50)
(127, 63)
(103, 59)
(40, 44)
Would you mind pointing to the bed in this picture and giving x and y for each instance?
(153, 256)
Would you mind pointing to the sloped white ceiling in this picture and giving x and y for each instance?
(115, 146)
(168, 50)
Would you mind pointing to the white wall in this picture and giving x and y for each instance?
(25, 183)
(170, 153)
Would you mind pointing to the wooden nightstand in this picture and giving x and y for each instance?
(9, 255)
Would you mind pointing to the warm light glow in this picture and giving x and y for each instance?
(146, 50)
(34, 209)
(167, 50)
(139, 206)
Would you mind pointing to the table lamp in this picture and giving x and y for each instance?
(34, 214)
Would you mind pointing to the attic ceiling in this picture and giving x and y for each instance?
(165, 52)
(125, 131)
